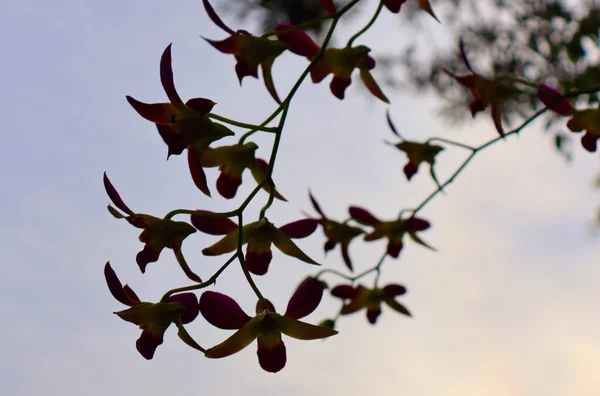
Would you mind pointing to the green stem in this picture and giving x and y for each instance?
(450, 142)
(210, 281)
(261, 127)
(240, 255)
(367, 26)
(265, 122)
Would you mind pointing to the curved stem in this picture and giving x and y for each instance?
(261, 127)
(210, 281)
(240, 256)
(367, 26)
(450, 142)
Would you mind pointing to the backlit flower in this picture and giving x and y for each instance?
(340, 62)
(393, 230)
(157, 233)
(152, 318)
(587, 120)
(181, 125)
(259, 236)
(232, 162)
(336, 233)
(267, 326)
(250, 51)
(359, 297)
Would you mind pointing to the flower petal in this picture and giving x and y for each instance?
(394, 248)
(201, 106)
(210, 11)
(363, 216)
(300, 229)
(222, 311)
(227, 244)
(159, 113)
(259, 171)
(396, 306)
(195, 164)
(258, 262)
(227, 185)
(299, 41)
(115, 286)
(268, 79)
(300, 330)
(190, 302)
(271, 353)
(166, 78)
(114, 196)
(315, 204)
(147, 344)
(393, 290)
(497, 117)
(286, 246)
(373, 313)
(338, 86)
(238, 341)
(410, 169)
(146, 256)
(328, 6)
(418, 224)
(213, 225)
(346, 255)
(589, 142)
(372, 85)
(305, 299)
(344, 291)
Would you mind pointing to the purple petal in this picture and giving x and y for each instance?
(260, 308)
(394, 249)
(373, 314)
(258, 263)
(343, 291)
(589, 141)
(393, 290)
(271, 359)
(305, 299)
(418, 224)
(222, 311)
(115, 286)
(146, 256)
(300, 228)
(114, 196)
(147, 344)
(213, 225)
(363, 216)
(228, 185)
(190, 302)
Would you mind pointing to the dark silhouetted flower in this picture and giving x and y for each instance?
(232, 162)
(152, 318)
(588, 120)
(394, 230)
(182, 125)
(486, 92)
(359, 297)
(335, 232)
(339, 61)
(259, 236)
(249, 51)
(267, 326)
(157, 233)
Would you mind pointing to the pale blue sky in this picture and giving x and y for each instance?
(508, 306)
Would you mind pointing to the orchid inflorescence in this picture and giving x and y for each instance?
(192, 126)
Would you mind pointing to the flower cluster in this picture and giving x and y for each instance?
(192, 126)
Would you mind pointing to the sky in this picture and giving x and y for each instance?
(508, 306)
